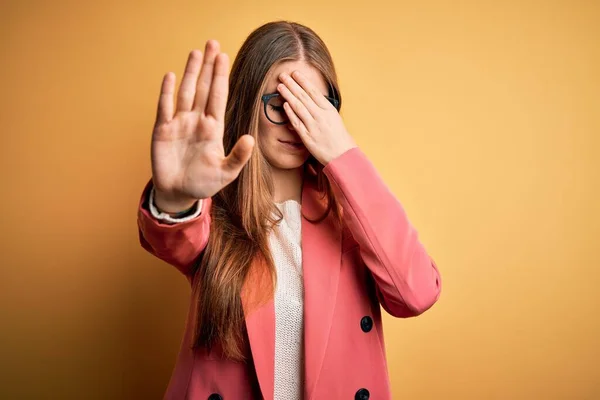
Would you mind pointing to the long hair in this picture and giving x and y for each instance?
(242, 212)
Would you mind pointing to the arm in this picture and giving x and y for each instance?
(188, 158)
(177, 242)
(407, 279)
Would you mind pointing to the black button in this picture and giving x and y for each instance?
(362, 394)
(366, 324)
(217, 396)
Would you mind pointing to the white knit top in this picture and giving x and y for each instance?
(285, 243)
(286, 249)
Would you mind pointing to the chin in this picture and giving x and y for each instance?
(288, 161)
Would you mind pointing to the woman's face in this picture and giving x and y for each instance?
(280, 144)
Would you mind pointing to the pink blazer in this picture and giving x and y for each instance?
(376, 259)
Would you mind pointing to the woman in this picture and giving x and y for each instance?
(288, 236)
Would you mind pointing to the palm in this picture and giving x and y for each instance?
(188, 159)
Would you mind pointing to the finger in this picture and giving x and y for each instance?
(206, 74)
(219, 88)
(297, 106)
(187, 90)
(296, 122)
(238, 157)
(311, 90)
(300, 94)
(165, 101)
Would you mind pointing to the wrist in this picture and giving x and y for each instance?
(174, 206)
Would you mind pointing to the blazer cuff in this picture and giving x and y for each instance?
(162, 216)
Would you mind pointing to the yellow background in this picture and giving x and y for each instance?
(482, 116)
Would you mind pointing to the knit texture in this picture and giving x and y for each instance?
(285, 245)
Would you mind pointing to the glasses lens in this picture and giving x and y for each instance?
(275, 111)
(333, 102)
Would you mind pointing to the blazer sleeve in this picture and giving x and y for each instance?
(178, 244)
(407, 279)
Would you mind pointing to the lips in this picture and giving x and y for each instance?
(291, 142)
(293, 145)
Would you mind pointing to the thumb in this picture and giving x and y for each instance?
(239, 156)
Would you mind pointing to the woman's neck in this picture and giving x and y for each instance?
(287, 184)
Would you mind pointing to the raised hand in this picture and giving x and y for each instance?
(188, 158)
(315, 119)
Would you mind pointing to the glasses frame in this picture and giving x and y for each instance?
(266, 97)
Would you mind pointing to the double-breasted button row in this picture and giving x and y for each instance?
(366, 324)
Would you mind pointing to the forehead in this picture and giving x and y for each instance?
(313, 75)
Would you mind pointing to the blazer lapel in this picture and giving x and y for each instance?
(260, 325)
(321, 260)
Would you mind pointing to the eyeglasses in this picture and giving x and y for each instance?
(274, 111)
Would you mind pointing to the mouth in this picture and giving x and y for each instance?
(294, 143)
